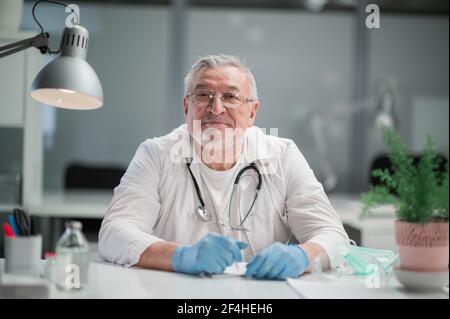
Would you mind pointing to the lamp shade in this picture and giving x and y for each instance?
(69, 81)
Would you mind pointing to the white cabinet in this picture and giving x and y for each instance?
(18, 110)
(376, 231)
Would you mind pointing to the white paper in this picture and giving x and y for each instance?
(236, 269)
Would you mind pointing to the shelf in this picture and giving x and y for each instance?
(72, 204)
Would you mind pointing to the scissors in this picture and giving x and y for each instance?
(22, 222)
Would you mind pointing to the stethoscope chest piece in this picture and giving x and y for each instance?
(203, 214)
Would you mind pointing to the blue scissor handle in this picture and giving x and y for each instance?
(12, 223)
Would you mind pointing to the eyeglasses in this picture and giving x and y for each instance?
(229, 100)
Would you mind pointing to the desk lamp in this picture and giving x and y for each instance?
(382, 113)
(68, 81)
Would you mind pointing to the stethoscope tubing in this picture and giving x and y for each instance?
(202, 212)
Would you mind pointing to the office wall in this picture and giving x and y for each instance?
(303, 62)
(412, 52)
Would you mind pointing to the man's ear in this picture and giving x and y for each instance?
(253, 110)
(185, 106)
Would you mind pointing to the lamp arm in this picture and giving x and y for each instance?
(39, 41)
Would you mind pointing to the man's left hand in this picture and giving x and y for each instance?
(278, 261)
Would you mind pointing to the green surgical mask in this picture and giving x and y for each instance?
(363, 259)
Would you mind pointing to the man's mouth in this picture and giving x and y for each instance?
(214, 123)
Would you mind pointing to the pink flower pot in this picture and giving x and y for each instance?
(422, 247)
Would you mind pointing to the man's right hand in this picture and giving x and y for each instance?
(211, 254)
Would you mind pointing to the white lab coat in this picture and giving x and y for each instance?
(156, 200)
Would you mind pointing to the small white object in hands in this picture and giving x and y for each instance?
(236, 269)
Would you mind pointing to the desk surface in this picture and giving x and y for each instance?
(113, 281)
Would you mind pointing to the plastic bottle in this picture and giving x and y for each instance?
(72, 258)
(50, 262)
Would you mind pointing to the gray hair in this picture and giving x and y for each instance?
(216, 61)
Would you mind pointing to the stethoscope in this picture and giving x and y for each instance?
(203, 213)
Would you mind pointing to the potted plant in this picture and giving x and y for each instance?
(419, 192)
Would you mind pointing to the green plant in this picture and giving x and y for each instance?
(418, 192)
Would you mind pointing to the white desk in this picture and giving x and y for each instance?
(113, 281)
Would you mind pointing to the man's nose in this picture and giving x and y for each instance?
(216, 106)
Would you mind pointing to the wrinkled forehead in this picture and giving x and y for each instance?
(227, 78)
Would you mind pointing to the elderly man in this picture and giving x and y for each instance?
(218, 190)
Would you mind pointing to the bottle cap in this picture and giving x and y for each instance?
(49, 255)
(74, 224)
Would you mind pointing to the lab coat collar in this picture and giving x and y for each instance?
(257, 146)
(260, 149)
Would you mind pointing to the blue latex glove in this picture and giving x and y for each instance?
(278, 261)
(211, 254)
